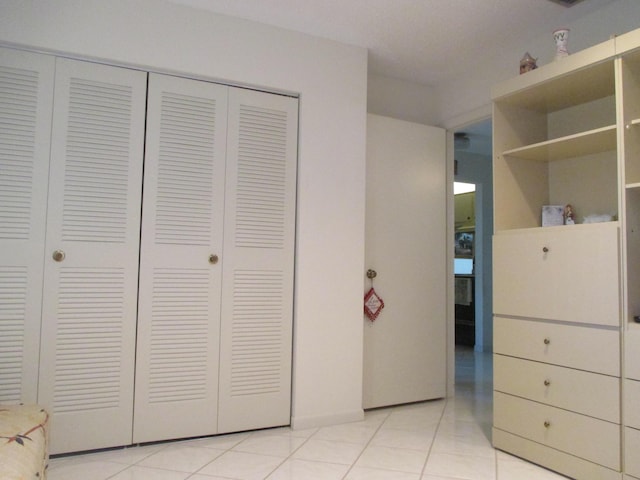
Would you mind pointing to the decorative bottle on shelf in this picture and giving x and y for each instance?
(561, 37)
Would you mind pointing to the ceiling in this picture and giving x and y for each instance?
(424, 41)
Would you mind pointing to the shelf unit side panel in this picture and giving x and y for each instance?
(515, 126)
(521, 187)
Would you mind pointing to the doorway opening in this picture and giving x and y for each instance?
(473, 229)
(463, 263)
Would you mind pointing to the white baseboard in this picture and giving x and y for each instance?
(303, 423)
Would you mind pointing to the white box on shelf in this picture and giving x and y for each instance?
(552, 215)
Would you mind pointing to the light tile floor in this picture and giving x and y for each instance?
(435, 440)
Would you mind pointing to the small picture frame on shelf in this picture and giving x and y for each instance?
(552, 215)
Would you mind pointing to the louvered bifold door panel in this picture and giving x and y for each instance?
(179, 311)
(26, 99)
(91, 258)
(256, 333)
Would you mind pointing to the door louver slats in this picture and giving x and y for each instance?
(97, 166)
(257, 333)
(262, 168)
(89, 345)
(185, 171)
(18, 115)
(179, 350)
(13, 297)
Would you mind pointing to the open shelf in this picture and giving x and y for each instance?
(580, 78)
(583, 143)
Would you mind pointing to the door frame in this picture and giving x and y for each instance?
(455, 124)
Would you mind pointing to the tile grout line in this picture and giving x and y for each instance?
(353, 464)
(226, 450)
(433, 440)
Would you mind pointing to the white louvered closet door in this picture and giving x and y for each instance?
(91, 257)
(181, 260)
(259, 233)
(26, 98)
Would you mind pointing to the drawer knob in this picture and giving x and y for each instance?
(547, 383)
(545, 249)
(547, 424)
(547, 341)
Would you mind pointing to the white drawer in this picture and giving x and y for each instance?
(564, 463)
(568, 274)
(632, 352)
(586, 348)
(632, 404)
(585, 437)
(631, 449)
(588, 393)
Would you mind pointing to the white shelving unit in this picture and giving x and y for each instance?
(560, 137)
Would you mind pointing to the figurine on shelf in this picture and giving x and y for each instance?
(527, 63)
(569, 215)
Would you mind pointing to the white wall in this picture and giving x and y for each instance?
(401, 99)
(331, 80)
(468, 98)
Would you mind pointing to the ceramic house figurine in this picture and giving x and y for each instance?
(527, 63)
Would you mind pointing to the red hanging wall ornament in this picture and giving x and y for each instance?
(373, 304)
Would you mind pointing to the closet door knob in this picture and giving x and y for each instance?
(58, 255)
(547, 424)
(213, 259)
(547, 383)
(545, 249)
(547, 341)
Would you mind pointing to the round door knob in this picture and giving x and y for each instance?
(58, 255)
(547, 383)
(547, 424)
(545, 249)
(547, 341)
(213, 259)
